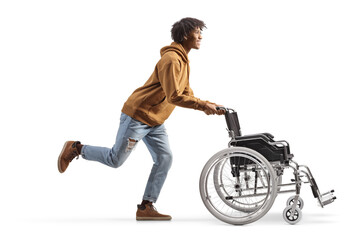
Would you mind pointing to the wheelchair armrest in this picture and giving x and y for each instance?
(266, 136)
(269, 135)
(282, 143)
(286, 146)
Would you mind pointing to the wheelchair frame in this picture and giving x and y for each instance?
(255, 164)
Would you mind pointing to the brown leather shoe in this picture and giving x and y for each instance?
(149, 212)
(68, 153)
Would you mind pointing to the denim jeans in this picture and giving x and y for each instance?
(129, 134)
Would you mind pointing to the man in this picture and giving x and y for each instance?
(144, 113)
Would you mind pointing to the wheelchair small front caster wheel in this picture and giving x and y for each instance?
(300, 202)
(292, 218)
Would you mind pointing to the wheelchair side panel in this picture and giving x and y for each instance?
(270, 152)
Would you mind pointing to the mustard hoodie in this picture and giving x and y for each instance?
(167, 87)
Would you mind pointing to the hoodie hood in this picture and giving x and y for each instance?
(175, 47)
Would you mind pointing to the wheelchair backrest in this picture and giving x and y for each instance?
(232, 122)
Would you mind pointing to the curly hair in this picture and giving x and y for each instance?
(184, 27)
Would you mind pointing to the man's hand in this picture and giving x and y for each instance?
(210, 109)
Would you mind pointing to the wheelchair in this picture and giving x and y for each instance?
(239, 184)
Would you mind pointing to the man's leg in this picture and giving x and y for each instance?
(158, 145)
(129, 134)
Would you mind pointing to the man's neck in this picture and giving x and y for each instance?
(187, 50)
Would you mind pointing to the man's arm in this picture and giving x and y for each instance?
(169, 77)
(169, 80)
(209, 108)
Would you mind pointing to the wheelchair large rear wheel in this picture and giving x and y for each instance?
(238, 185)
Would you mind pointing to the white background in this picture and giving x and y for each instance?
(66, 67)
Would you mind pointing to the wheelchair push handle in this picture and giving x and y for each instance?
(227, 110)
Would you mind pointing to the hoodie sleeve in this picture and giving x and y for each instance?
(169, 77)
(188, 91)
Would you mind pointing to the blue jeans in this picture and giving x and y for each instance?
(129, 134)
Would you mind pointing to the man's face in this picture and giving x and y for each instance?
(193, 40)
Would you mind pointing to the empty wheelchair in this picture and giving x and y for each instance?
(239, 184)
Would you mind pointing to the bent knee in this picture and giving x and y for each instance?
(165, 159)
(116, 164)
(116, 160)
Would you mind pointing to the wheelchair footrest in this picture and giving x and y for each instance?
(327, 198)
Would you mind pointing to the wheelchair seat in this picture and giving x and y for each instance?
(265, 144)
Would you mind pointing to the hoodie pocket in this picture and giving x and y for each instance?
(159, 102)
(156, 108)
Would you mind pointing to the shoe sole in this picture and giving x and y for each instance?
(153, 218)
(59, 159)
